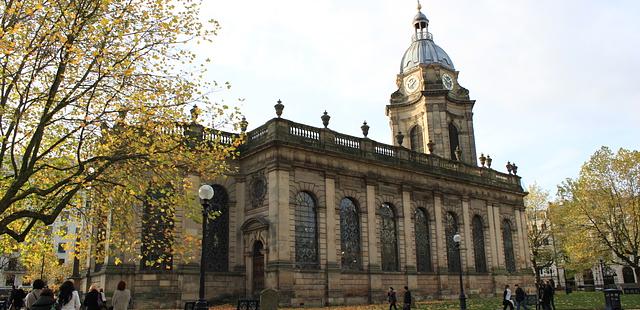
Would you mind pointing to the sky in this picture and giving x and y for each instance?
(553, 80)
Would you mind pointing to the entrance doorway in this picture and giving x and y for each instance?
(258, 268)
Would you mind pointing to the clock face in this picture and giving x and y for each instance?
(447, 81)
(411, 84)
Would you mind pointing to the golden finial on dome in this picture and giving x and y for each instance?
(419, 6)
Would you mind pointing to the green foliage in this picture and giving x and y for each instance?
(93, 96)
(598, 213)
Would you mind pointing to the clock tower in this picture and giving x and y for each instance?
(430, 105)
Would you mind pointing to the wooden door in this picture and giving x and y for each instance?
(258, 268)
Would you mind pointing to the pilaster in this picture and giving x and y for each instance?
(492, 237)
(468, 243)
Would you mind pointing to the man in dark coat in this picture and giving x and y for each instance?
(521, 298)
(392, 298)
(547, 293)
(407, 299)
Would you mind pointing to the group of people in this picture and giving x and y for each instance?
(43, 298)
(546, 291)
(393, 299)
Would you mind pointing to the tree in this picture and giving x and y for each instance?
(92, 104)
(543, 255)
(599, 211)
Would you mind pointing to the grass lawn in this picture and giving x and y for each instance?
(574, 301)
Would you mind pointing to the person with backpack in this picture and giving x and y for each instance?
(45, 301)
(31, 298)
(68, 298)
(392, 298)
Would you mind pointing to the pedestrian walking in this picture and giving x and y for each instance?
(521, 298)
(121, 297)
(17, 298)
(68, 298)
(506, 298)
(547, 293)
(31, 298)
(392, 298)
(406, 299)
(45, 300)
(93, 300)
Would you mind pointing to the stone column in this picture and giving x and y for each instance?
(521, 249)
(441, 257)
(525, 229)
(492, 237)
(333, 229)
(499, 244)
(409, 241)
(468, 244)
(375, 282)
(279, 236)
(238, 259)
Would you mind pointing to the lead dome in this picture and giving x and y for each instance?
(423, 50)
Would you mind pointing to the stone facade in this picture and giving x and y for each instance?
(295, 185)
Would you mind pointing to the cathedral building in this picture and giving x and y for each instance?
(326, 218)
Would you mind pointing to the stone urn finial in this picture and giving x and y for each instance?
(489, 160)
(279, 107)
(399, 138)
(365, 129)
(195, 113)
(509, 167)
(514, 168)
(244, 124)
(483, 160)
(325, 119)
(430, 146)
(458, 153)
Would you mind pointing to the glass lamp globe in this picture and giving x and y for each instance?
(457, 238)
(205, 192)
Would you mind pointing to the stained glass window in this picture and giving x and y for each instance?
(415, 136)
(423, 244)
(350, 235)
(217, 243)
(453, 140)
(157, 232)
(453, 260)
(509, 257)
(306, 231)
(478, 245)
(388, 238)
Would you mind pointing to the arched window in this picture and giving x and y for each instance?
(306, 231)
(415, 135)
(453, 140)
(388, 238)
(350, 235)
(478, 245)
(157, 231)
(217, 244)
(627, 275)
(453, 260)
(509, 257)
(423, 244)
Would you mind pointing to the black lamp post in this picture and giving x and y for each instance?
(463, 299)
(205, 193)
